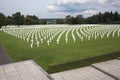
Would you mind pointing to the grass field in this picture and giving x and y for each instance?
(44, 55)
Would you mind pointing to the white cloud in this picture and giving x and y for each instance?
(115, 3)
(52, 8)
(72, 1)
(90, 12)
(102, 1)
(59, 2)
(84, 7)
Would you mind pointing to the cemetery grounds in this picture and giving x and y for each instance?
(54, 44)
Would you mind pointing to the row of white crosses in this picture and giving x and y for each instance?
(36, 35)
(58, 39)
(86, 32)
(52, 37)
(66, 38)
(82, 32)
(73, 36)
(78, 34)
(118, 33)
(44, 35)
(90, 32)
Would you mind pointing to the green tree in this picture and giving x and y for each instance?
(2, 20)
(116, 16)
(31, 20)
(9, 20)
(80, 19)
(73, 20)
(43, 22)
(28, 21)
(68, 19)
(60, 21)
(18, 19)
(112, 16)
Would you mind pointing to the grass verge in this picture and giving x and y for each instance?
(81, 62)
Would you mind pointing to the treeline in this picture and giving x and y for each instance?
(106, 18)
(101, 18)
(19, 19)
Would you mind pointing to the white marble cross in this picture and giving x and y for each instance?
(48, 42)
(38, 43)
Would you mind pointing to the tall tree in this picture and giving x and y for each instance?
(18, 19)
(112, 16)
(2, 20)
(60, 21)
(80, 19)
(9, 20)
(116, 16)
(31, 20)
(73, 20)
(68, 19)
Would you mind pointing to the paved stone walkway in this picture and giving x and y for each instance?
(4, 58)
(108, 70)
(85, 73)
(25, 70)
(111, 68)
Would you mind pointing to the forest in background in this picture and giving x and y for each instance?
(19, 19)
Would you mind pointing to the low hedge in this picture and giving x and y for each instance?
(52, 68)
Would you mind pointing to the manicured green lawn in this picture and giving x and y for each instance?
(45, 55)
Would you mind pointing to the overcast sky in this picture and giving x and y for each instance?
(58, 8)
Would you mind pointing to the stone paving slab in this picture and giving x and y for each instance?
(25, 70)
(85, 73)
(111, 67)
